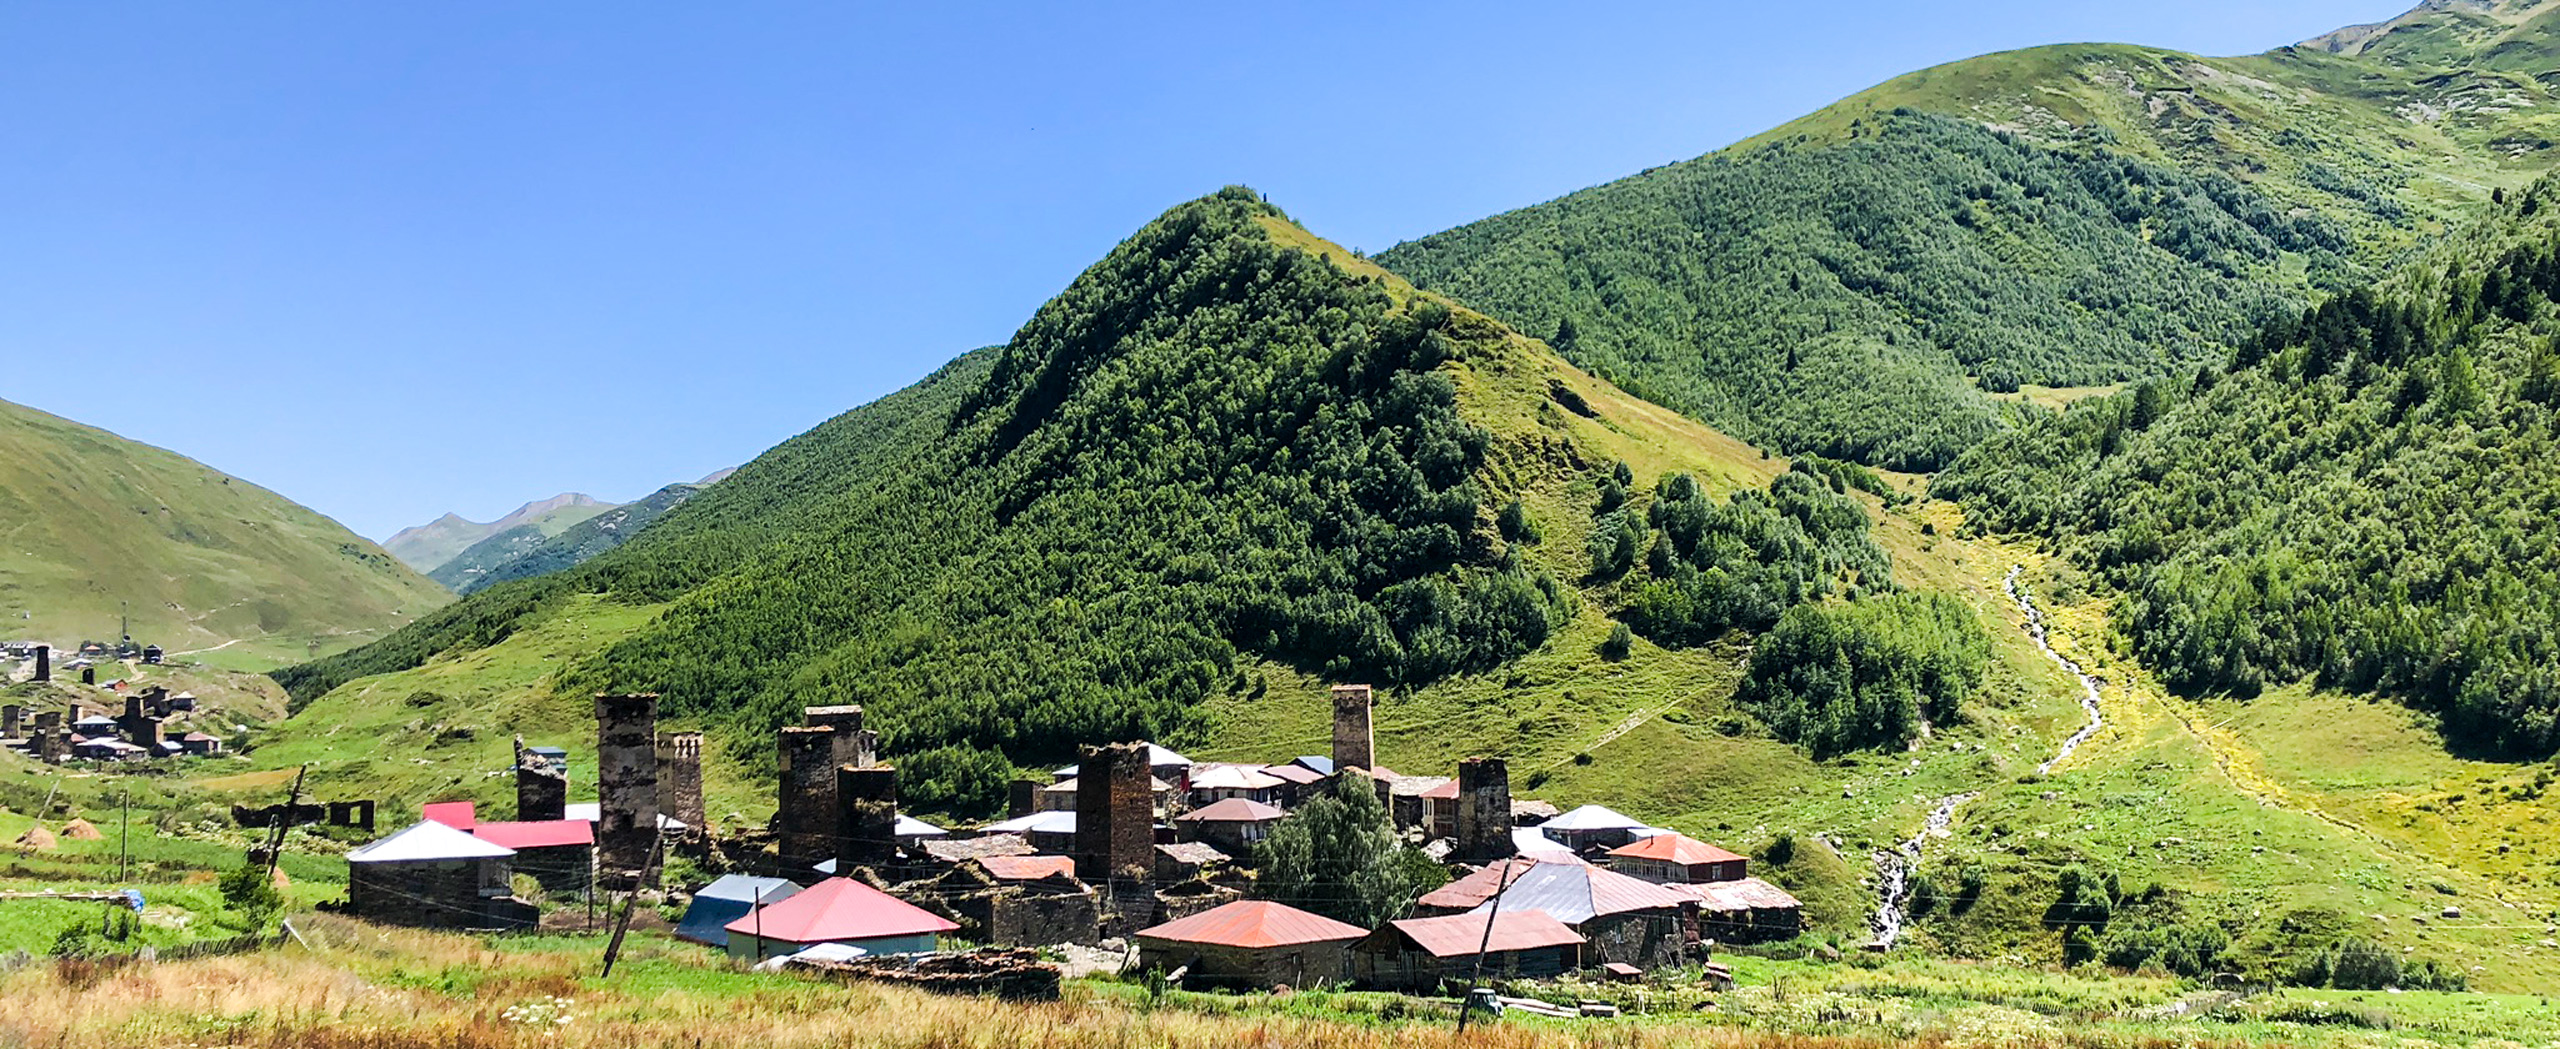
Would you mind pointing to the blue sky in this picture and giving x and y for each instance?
(394, 260)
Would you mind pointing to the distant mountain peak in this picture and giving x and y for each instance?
(2436, 30)
(429, 546)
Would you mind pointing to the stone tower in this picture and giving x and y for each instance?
(1115, 815)
(680, 780)
(1484, 810)
(626, 786)
(805, 819)
(1353, 746)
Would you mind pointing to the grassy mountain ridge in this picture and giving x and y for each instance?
(94, 524)
(1852, 282)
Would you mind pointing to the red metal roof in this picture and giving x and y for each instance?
(1027, 868)
(1675, 848)
(1447, 791)
(537, 834)
(837, 909)
(1253, 923)
(455, 814)
(1459, 934)
(1231, 810)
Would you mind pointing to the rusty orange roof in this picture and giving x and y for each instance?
(1447, 791)
(1675, 848)
(1253, 923)
(1027, 868)
(1459, 934)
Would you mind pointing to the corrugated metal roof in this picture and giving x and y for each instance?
(1027, 868)
(748, 888)
(911, 827)
(1052, 822)
(1253, 923)
(1322, 766)
(1298, 774)
(1572, 893)
(1231, 810)
(1447, 791)
(839, 909)
(1591, 817)
(1457, 935)
(538, 834)
(455, 814)
(1229, 777)
(1675, 848)
(428, 840)
(1534, 843)
(593, 812)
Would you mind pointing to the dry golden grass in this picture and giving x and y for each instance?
(362, 987)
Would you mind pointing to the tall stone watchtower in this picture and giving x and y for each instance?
(1352, 743)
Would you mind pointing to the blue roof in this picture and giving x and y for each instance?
(726, 900)
(1317, 765)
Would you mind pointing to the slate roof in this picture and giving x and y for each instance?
(1675, 848)
(1253, 924)
(1195, 853)
(840, 909)
(428, 840)
(1458, 935)
(956, 850)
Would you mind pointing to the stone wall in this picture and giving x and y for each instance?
(1484, 810)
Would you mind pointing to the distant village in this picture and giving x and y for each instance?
(1135, 847)
(148, 725)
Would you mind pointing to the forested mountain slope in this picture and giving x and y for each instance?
(93, 525)
(2365, 496)
(1228, 442)
(1854, 282)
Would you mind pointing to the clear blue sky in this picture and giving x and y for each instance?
(397, 259)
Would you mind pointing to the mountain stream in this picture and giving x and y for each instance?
(1894, 867)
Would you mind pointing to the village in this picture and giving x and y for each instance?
(1135, 850)
(153, 723)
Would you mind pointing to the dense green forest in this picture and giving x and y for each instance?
(2364, 496)
(1866, 673)
(1709, 567)
(1845, 298)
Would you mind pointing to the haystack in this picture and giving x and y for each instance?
(280, 881)
(37, 837)
(82, 830)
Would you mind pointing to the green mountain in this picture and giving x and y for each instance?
(524, 551)
(1870, 281)
(432, 545)
(2363, 498)
(98, 526)
(1228, 442)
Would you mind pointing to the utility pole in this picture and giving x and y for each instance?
(631, 902)
(275, 842)
(1502, 884)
